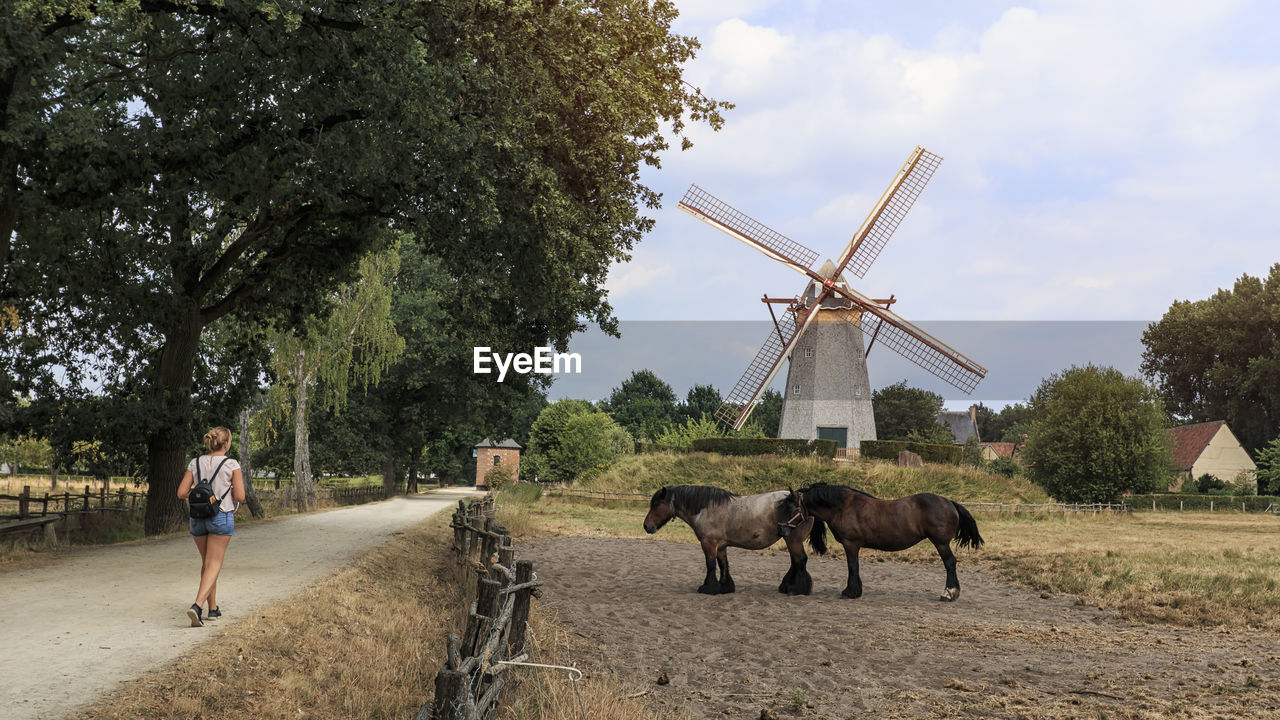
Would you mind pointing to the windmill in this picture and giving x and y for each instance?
(836, 398)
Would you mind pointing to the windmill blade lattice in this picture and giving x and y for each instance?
(719, 214)
(921, 348)
(741, 400)
(888, 213)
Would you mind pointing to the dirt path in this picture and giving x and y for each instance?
(100, 616)
(1000, 651)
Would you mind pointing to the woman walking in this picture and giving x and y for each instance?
(213, 534)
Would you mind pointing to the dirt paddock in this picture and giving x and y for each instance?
(1001, 650)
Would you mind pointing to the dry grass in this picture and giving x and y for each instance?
(1189, 569)
(761, 473)
(550, 695)
(366, 643)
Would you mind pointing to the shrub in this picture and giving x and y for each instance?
(498, 477)
(1207, 482)
(929, 452)
(971, 454)
(589, 443)
(1004, 466)
(767, 446)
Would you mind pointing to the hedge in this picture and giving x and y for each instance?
(1169, 501)
(929, 452)
(767, 446)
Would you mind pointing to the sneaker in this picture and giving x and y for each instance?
(214, 614)
(194, 613)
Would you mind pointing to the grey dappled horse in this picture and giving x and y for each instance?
(722, 519)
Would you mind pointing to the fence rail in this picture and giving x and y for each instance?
(30, 505)
(473, 678)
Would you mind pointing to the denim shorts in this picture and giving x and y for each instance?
(224, 523)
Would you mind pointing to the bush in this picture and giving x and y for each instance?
(589, 443)
(767, 446)
(929, 452)
(1004, 466)
(1206, 482)
(971, 454)
(498, 477)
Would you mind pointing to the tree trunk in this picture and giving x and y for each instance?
(167, 444)
(411, 485)
(303, 489)
(389, 475)
(250, 496)
(53, 471)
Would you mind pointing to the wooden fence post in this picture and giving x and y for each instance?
(87, 496)
(44, 505)
(24, 503)
(451, 690)
(520, 609)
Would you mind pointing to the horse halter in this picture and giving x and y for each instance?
(797, 519)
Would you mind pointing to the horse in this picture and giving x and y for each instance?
(722, 519)
(860, 520)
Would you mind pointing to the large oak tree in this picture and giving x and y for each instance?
(171, 166)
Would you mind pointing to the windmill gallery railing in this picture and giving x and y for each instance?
(474, 677)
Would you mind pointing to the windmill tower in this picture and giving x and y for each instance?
(821, 331)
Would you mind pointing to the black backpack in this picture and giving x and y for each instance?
(202, 503)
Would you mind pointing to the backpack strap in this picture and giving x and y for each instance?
(215, 477)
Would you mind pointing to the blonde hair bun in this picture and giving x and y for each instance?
(218, 438)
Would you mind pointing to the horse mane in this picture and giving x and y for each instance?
(693, 499)
(823, 495)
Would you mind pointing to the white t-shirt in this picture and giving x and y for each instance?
(221, 483)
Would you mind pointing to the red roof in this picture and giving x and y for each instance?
(1000, 448)
(1191, 440)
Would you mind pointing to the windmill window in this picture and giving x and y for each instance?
(795, 389)
(857, 391)
(808, 352)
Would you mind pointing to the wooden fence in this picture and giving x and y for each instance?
(473, 679)
(29, 505)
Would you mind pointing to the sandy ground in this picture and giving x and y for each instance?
(72, 631)
(1000, 651)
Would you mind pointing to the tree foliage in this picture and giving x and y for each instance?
(768, 413)
(1095, 433)
(643, 404)
(1219, 358)
(167, 169)
(907, 413)
(546, 435)
(588, 445)
(1268, 473)
(700, 400)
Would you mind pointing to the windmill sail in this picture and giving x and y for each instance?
(741, 400)
(888, 213)
(920, 347)
(715, 212)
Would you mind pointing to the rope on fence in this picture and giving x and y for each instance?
(472, 680)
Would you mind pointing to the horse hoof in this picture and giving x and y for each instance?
(709, 590)
(725, 589)
(950, 594)
(852, 595)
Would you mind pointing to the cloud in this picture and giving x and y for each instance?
(632, 277)
(1123, 146)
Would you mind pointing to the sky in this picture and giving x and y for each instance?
(1100, 160)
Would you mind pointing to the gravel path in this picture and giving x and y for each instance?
(97, 617)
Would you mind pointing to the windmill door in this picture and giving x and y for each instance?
(839, 434)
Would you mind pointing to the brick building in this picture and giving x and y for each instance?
(489, 454)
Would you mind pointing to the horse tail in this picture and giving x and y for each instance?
(818, 536)
(967, 535)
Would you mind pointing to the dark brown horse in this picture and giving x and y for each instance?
(860, 520)
(722, 520)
